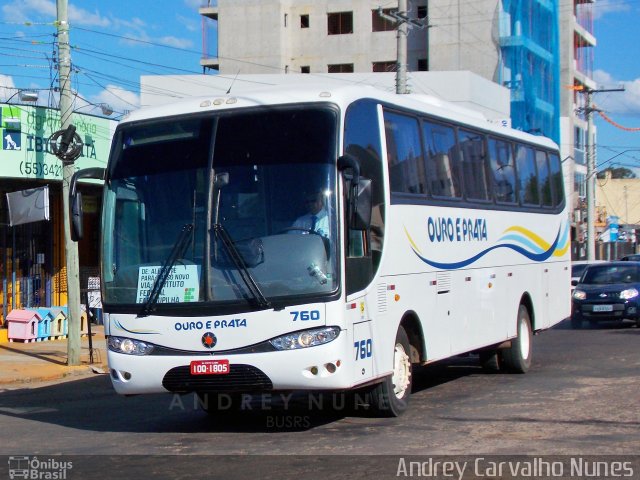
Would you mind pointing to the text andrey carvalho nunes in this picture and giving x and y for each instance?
(518, 467)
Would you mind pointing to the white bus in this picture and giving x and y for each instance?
(440, 234)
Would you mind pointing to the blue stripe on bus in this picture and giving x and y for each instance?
(536, 257)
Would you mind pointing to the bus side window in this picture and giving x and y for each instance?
(362, 140)
(406, 165)
(544, 179)
(527, 177)
(557, 182)
(472, 155)
(442, 160)
(504, 173)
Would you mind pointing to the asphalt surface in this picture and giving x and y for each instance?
(578, 403)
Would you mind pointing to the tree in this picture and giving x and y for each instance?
(617, 172)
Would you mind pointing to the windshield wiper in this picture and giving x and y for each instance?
(241, 265)
(178, 251)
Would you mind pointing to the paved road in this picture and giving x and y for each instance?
(580, 398)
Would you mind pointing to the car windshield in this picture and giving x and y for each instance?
(219, 207)
(576, 270)
(609, 274)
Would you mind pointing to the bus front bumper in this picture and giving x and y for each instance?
(322, 367)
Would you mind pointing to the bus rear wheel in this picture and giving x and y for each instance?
(517, 358)
(391, 397)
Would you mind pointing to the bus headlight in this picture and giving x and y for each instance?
(306, 338)
(628, 293)
(579, 294)
(129, 346)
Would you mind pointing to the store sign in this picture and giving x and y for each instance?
(25, 133)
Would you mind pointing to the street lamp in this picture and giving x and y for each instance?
(105, 108)
(25, 96)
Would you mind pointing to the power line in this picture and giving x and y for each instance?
(132, 39)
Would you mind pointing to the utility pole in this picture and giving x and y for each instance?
(401, 17)
(591, 171)
(401, 37)
(70, 247)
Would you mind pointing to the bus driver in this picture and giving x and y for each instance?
(315, 220)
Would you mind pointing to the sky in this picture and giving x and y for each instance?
(115, 42)
(617, 64)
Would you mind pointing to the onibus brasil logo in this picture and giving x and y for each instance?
(33, 468)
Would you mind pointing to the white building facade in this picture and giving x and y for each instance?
(540, 50)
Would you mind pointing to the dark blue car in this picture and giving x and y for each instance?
(607, 291)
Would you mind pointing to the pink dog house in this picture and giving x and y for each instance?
(23, 325)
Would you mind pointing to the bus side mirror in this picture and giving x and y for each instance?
(358, 194)
(75, 199)
(77, 226)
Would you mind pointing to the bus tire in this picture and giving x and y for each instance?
(391, 397)
(517, 358)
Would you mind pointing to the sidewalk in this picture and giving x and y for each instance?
(26, 364)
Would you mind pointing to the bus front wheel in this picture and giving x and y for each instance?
(391, 397)
(517, 358)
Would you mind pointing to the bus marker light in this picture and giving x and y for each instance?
(205, 103)
(338, 363)
(314, 370)
(331, 368)
(396, 297)
(490, 285)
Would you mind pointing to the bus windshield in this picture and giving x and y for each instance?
(234, 209)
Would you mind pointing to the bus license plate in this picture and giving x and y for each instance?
(210, 367)
(603, 308)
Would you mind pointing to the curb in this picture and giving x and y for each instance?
(63, 373)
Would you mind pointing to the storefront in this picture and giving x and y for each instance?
(32, 258)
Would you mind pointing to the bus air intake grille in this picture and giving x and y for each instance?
(245, 378)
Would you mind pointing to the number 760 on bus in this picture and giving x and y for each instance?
(363, 348)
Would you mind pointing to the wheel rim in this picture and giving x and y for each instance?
(401, 371)
(525, 339)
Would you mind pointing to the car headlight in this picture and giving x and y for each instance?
(306, 338)
(579, 294)
(628, 293)
(129, 346)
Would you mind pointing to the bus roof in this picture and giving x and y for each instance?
(339, 95)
